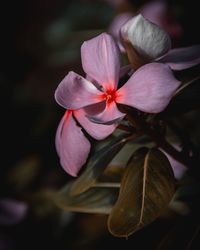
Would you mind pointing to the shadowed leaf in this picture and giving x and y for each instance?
(184, 234)
(146, 190)
(94, 200)
(96, 165)
(111, 177)
(187, 75)
(186, 99)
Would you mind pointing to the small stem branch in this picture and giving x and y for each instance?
(126, 128)
(157, 138)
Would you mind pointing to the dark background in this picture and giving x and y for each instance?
(40, 43)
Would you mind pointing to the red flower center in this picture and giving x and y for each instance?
(109, 96)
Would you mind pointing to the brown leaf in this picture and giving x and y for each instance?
(111, 177)
(146, 190)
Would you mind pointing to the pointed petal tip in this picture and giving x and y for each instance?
(182, 58)
(75, 92)
(150, 88)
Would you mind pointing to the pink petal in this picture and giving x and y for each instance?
(72, 146)
(182, 58)
(178, 168)
(101, 60)
(154, 11)
(149, 89)
(109, 116)
(97, 131)
(75, 92)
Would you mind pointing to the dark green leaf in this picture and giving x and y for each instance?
(146, 190)
(186, 99)
(96, 165)
(187, 75)
(183, 234)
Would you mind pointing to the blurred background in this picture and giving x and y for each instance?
(40, 43)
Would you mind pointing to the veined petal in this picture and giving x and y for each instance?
(101, 60)
(110, 115)
(149, 40)
(182, 58)
(97, 131)
(149, 89)
(71, 144)
(75, 92)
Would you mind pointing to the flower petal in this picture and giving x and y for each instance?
(101, 60)
(75, 92)
(72, 146)
(182, 58)
(109, 116)
(97, 131)
(178, 168)
(149, 89)
(149, 40)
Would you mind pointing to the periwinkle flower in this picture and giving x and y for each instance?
(149, 89)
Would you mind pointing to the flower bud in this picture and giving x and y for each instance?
(144, 41)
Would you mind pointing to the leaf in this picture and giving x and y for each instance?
(94, 200)
(146, 190)
(96, 165)
(187, 75)
(186, 99)
(111, 177)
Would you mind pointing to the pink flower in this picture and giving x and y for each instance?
(149, 89)
(146, 42)
(71, 144)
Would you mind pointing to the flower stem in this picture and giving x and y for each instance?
(161, 142)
